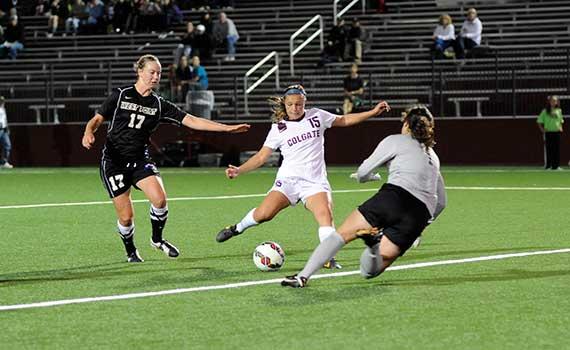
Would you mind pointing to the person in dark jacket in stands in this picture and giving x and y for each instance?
(353, 90)
(338, 36)
(355, 39)
(13, 38)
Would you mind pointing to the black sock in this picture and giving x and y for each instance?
(129, 243)
(158, 217)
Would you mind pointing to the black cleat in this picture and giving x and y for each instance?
(371, 236)
(294, 282)
(227, 233)
(168, 248)
(134, 257)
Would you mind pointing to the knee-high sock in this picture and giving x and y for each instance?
(158, 217)
(247, 222)
(371, 262)
(127, 234)
(325, 232)
(323, 253)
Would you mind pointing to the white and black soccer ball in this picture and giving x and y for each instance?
(268, 256)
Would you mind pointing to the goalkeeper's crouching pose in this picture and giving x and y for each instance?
(391, 220)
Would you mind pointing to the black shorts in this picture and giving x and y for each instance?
(118, 177)
(400, 215)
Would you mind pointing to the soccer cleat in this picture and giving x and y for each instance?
(294, 282)
(168, 248)
(370, 236)
(227, 233)
(6, 165)
(332, 264)
(134, 257)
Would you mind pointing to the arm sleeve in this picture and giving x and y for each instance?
(170, 113)
(108, 107)
(449, 33)
(273, 140)
(441, 197)
(384, 152)
(327, 118)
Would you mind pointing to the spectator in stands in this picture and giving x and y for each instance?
(225, 31)
(550, 123)
(13, 38)
(172, 13)
(203, 45)
(78, 14)
(470, 36)
(42, 7)
(200, 75)
(122, 17)
(4, 137)
(57, 11)
(96, 11)
(184, 78)
(207, 22)
(353, 90)
(443, 36)
(150, 16)
(186, 43)
(338, 36)
(356, 37)
(328, 55)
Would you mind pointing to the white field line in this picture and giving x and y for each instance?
(269, 281)
(238, 196)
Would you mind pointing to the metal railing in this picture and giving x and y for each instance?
(275, 69)
(337, 14)
(294, 51)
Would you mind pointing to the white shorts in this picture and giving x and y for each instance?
(298, 189)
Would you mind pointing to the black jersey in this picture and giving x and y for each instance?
(133, 118)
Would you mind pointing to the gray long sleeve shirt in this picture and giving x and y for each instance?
(411, 167)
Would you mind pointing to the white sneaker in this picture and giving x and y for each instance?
(417, 242)
(6, 166)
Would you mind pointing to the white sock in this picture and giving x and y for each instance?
(126, 231)
(247, 222)
(325, 232)
(160, 214)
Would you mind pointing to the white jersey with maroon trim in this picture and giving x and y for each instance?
(302, 145)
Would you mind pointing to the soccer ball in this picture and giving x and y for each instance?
(268, 256)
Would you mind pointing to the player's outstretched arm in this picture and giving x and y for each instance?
(207, 125)
(90, 129)
(355, 118)
(252, 163)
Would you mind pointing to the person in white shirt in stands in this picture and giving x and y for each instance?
(470, 35)
(302, 177)
(5, 143)
(443, 36)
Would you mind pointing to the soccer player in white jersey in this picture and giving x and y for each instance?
(302, 177)
(396, 215)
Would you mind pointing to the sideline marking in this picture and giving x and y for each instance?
(270, 281)
(238, 196)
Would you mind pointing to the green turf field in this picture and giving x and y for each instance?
(69, 252)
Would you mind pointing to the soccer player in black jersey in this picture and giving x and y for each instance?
(133, 113)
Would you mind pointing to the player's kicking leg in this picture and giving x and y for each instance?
(154, 190)
(273, 203)
(320, 205)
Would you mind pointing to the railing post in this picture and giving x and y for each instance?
(39, 114)
(291, 63)
(441, 109)
(432, 90)
(235, 97)
(109, 77)
(52, 96)
(245, 101)
(370, 88)
(568, 70)
(496, 74)
(335, 11)
(322, 27)
(514, 78)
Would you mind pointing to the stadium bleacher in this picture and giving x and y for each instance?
(528, 40)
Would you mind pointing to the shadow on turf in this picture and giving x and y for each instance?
(89, 272)
(509, 275)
